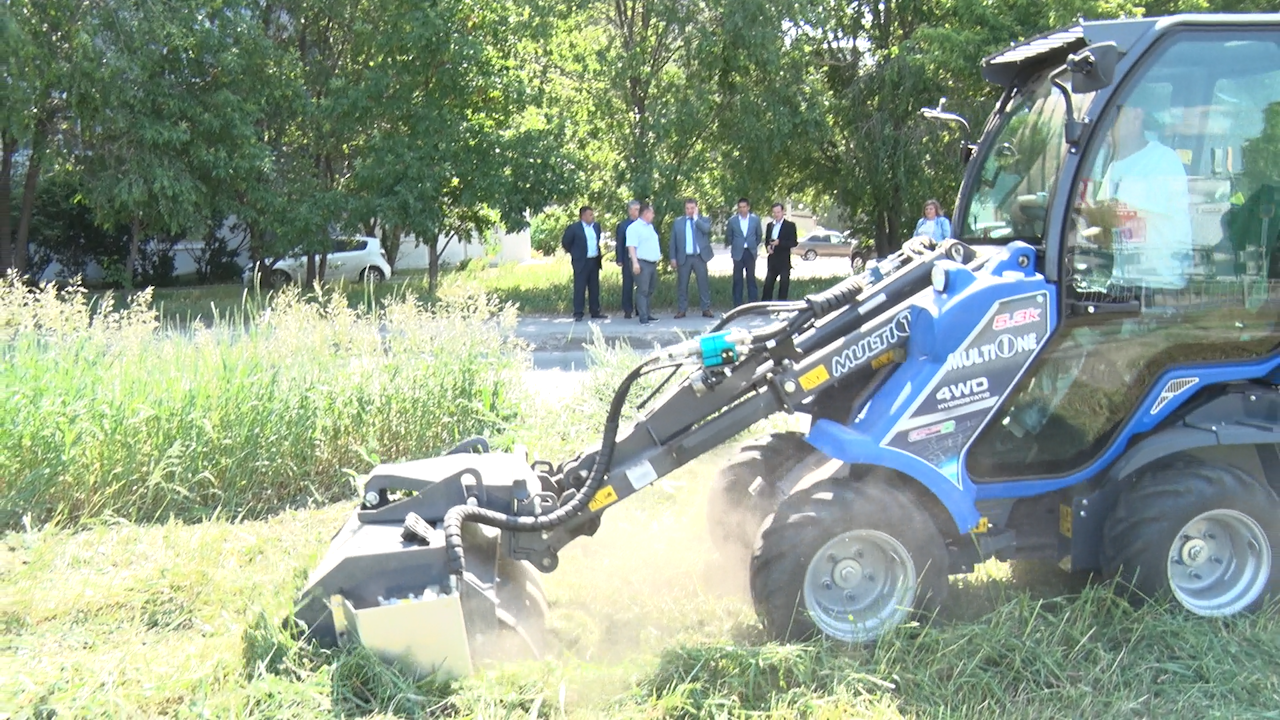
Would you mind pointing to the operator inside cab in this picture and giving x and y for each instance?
(1141, 214)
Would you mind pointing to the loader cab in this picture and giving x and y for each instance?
(1158, 226)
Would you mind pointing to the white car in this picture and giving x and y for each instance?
(353, 259)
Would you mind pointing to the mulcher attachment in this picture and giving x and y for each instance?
(385, 582)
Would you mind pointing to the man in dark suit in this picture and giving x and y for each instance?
(690, 252)
(779, 238)
(582, 241)
(743, 236)
(620, 251)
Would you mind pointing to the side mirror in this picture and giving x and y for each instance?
(1094, 67)
(967, 151)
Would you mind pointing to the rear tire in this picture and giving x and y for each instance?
(1201, 533)
(734, 512)
(372, 274)
(861, 550)
(810, 254)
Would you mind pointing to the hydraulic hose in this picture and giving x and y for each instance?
(757, 308)
(459, 514)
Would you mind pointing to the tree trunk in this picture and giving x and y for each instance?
(324, 265)
(135, 239)
(391, 240)
(28, 207)
(311, 269)
(9, 145)
(433, 265)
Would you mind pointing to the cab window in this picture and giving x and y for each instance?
(1172, 241)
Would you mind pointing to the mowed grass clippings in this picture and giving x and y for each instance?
(110, 414)
(182, 620)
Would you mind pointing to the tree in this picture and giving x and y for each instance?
(452, 147)
(47, 62)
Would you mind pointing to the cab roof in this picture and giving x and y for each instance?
(1022, 60)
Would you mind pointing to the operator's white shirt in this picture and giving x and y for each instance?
(1152, 240)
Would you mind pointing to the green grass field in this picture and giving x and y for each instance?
(533, 289)
(164, 505)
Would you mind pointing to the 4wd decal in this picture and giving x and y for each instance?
(872, 345)
(971, 383)
(963, 393)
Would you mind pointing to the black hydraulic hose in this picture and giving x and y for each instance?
(459, 514)
(758, 308)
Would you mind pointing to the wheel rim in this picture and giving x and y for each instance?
(810, 254)
(1219, 563)
(373, 274)
(859, 585)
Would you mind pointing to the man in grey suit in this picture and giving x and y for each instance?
(743, 236)
(690, 252)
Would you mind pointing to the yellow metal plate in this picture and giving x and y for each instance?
(604, 497)
(814, 377)
(881, 361)
(982, 526)
(1064, 520)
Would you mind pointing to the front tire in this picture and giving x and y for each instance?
(810, 255)
(1204, 534)
(848, 559)
(746, 490)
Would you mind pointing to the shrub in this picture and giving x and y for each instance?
(546, 229)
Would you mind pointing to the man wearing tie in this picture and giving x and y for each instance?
(628, 277)
(779, 238)
(690, 253)
(742, 235)
(582, 241)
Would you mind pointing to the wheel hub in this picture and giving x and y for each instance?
(859, 585)
(847, 573)
(1194, 552)
(1219, 563)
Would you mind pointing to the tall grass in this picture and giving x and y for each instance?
(108, 414)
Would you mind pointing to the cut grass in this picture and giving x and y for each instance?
(182, 620)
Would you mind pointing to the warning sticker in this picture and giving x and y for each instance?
(814, 377)
(604, 497)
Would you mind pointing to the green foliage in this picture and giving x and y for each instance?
(242, 419)
(548, 227)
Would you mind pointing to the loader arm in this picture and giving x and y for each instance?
(836, 341)
(417, 551)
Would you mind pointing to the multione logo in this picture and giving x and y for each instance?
(1005, 346)
(872, 345)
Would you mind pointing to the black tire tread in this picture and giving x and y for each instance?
(1160, 500)
(767, 457)
(808, 519)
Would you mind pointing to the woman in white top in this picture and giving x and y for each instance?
(933, 224)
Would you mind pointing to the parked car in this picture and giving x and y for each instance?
(353, 259)
(825, 243)
(861, 252)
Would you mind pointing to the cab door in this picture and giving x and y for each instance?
(1169, 250)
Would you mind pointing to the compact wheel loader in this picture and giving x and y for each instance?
(1087, 372)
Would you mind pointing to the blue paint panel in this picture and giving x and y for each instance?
(958, 320)
(941, 324)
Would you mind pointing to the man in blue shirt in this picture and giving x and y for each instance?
(582, 241)
(644, 253)
(690, 252)
(624, 262)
